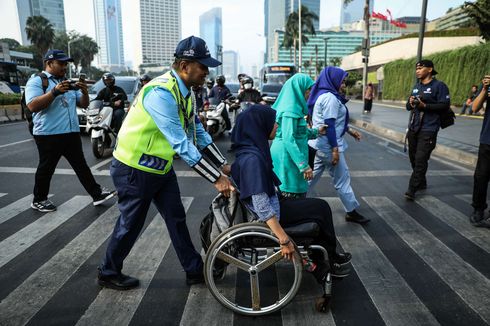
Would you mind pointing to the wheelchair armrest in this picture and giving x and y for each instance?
(303, 230)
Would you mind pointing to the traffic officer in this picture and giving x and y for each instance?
(160, 124)
(429, 98)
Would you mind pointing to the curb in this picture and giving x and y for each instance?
(9, 113)
(442, 151)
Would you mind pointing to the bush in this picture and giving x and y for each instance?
(458, 69)
(8, 99)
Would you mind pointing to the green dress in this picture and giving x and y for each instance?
(289, 149)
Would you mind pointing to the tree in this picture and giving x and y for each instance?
(319, 66)
(291, 33)
(82, 48)
(13, 44)
(335, 61)
(40, 32)
(479, 11)
(307, 65)
(89, 49)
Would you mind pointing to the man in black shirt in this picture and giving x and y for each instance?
(219, 93)
(107, 95)
(429, 98)
(482, 171)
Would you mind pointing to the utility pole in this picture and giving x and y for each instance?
(422, 30)
(299, 35)
(365, 47)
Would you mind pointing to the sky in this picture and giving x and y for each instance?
(243, 21)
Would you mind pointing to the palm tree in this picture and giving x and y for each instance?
(291, 34)
(479, 11)
(40, 32)
(89, 49)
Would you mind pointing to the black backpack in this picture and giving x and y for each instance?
(447, 118)
(25, 110)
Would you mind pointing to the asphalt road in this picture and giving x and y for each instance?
(415, 263)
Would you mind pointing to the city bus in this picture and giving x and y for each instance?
(272, 77)
(9, 76)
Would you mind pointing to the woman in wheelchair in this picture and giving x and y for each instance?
(253, 174)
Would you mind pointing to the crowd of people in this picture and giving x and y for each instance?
(307, 125)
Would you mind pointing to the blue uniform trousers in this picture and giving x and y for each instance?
(341, 178)
(136, 190)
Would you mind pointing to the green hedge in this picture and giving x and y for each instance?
(458, 69)
(6, 99)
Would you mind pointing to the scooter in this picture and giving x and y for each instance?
(215, 124)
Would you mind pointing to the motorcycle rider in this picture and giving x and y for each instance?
(145, 79)
(248, 95)
(220, 93)
(107, 95)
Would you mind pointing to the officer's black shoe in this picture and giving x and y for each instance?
(117, 282)
(477, 217)
(194, 278)
(410, 195)
(342, 259)
(355, 217)
(339, 271)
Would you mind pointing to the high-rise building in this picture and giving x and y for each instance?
(354, 11)
(230, 65)
(312, 5)
(454, 18)
(52, 10)
(275, 18)
(211, 31)
(108, 30)
(157, 31)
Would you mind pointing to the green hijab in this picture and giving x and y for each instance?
(291, 99)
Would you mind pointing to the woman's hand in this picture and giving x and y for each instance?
(356, 134)
(287, 248)
(335, 156)
(308, 174)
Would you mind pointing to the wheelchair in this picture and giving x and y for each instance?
(249, 254)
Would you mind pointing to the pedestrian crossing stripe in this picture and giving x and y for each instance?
(386, 286)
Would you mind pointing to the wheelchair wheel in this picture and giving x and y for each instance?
(253, 252)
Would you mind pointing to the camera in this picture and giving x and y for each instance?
(416, 101)
(73, 86)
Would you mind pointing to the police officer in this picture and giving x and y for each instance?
(56, 130)
(160, 124)
(107, 95)
(429, 98)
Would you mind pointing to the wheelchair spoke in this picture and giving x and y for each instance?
(254, 287)
(233, 261)
(269, 261)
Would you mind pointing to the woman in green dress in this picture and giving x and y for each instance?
(289, 149)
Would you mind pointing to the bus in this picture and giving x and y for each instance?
(9, 77)
(272, 77)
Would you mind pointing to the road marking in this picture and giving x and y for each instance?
(28, 298)
(15, 208)
(457, 220)
(98, 165)
(394, 299)
(2, 194)
(11, 124)
(202, 308)
(463, 278)
(23, 239)
(118, 307)
(17, 142)
(467, 198)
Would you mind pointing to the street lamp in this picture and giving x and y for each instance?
(219, 54)
(422, 30)
(299, 35)
(69, 55)
(326, 51)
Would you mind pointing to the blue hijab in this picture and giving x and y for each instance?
(329, 81)
(252, 169)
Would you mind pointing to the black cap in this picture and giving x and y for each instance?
(428, 64)
(195, 49)
(57, 55)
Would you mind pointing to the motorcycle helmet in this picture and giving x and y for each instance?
(220, 80)
(108, 79)
(247, 82)
(240, 76)
(145, 78)
(210, 83)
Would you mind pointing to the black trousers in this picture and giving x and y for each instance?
(50, 149)
(420, 146)
(296, 211)
(117, 119)
(368, 105)
(481, 178)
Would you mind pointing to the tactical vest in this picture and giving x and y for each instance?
(140, 144)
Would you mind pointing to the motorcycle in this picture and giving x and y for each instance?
(215, 124)
(102, 136)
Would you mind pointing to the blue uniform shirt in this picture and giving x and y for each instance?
(431, 93)
(485, 130)
(163, 109)
(60, 117)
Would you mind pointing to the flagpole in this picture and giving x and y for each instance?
(365, 48)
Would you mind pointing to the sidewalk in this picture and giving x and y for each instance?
(458, 143)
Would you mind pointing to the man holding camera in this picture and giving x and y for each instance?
(56, 130)
(482, 171)
(429, 98)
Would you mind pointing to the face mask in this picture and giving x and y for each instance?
(247, 86)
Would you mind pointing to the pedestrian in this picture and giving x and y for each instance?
(162, 123)
(56, 130)
(482, 171)
(326, 106)
(368, 98)
(290, 146)
(469, 101)
(117, 98)
(253, 173)
(429, 98)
